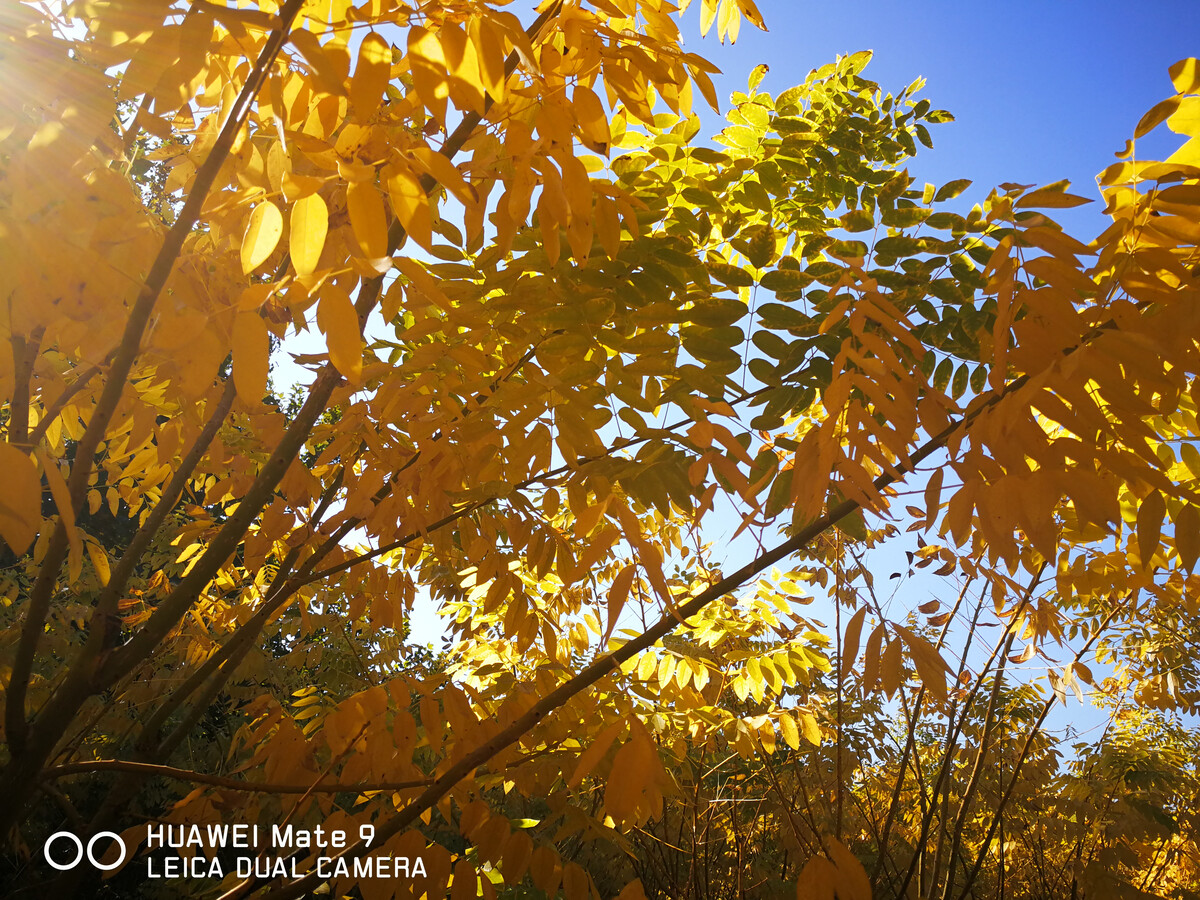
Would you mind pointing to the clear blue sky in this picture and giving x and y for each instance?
(1041, 90)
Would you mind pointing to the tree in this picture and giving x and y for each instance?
(538, 366)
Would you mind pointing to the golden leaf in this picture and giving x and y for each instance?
(371, 75)
(618, 593)
(818, 880)
(810, 729)
(410, 204)
(445, 173)
(591, 118)
(368, 218)
(1150, 515)
(789, 731)
(1185, 75)
(1187, 536)
(66, 511)
(21, 499)
(930, 665)
(251, 357)
(850, 641)
(339, 322)
(595, 752)
(99, 561)
(306, 237)
(263, 232)
(428, 66)
(852, 880)
(490, 57)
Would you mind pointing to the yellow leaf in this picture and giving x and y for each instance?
(297, 187)
(1149, 526)
(1049, 199)
(591, 118)
(410, 204)
(789, 731)
(466, 85)
(593, 754)
(428, 66)
(930, 665)
(729, 21)
(445, 173)
(575, 882)
(577, 188)
(424, 283)
(647, 666)
(890, 668)
(368, 218)
(99, 561)
(636, 762)
(262, 235)
(850, 642)
(852, 880)
(329, 62)
(371, 75)
(21, 499)
(1156, 115)
(810, 729)
(618, 593)
(750, 11)
(490, 57)
(62, 500)
(544, 870)
(465, 882)
(338, 320)
(633, 891)
(306, 238)
(608, 225)
(1187, 155)
(518, 850)
(251, 357)
(1187, 536)
(707, 89)
(1185, 74)
(818, 880)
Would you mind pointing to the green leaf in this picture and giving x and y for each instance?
(858, 220)
(718, 311)
(733, 276)
(757, 244)
(786, 280)
(941, 375)
(905, 216)
(959, 386)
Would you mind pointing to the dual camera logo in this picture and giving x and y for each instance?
(96, 861)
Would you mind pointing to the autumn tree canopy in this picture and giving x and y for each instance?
(562, 334)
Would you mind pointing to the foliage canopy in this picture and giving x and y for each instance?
(560, 337)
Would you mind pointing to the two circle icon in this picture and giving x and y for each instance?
(98, 862)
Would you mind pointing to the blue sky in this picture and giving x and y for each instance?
(1041, 90)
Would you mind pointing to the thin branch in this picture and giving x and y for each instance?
(952, 738)
(910, 740)
(1025, 750)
